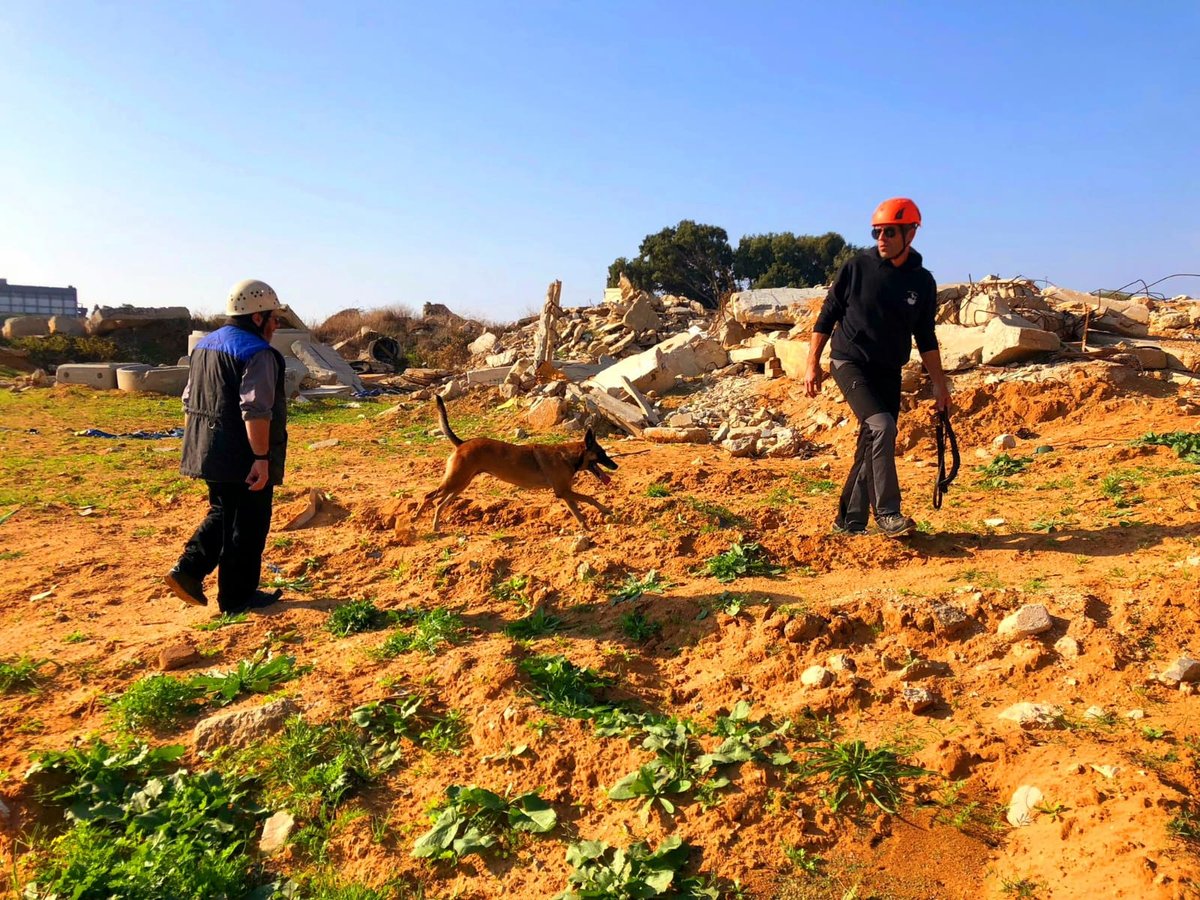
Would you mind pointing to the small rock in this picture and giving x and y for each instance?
(1067, 648)
(842, 662)
(519, 433)
(1185, 669)
(917, 699)
(582, 542)
(584, 571)
(1095, 712)
(324, 445)
(1004, 441)
(1044, 448)
(244, 726)
(1021, 806)
(1109, 772)
(177, 656)
(816, 677)
(803, 627)
(1029, 620)
(993, 523)
(1032, 715)
(275, 833)
(1136, 714)
(949, 621)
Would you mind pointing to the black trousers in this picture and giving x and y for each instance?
(231, 539)
(872, 485)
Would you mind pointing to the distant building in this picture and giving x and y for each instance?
(27, 299)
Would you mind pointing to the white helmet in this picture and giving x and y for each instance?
(251, 296)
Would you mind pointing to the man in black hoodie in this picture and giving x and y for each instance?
(880, 301)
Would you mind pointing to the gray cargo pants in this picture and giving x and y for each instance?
(874, 396)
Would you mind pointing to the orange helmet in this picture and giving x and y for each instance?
(896, 211)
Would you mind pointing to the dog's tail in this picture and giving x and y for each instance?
(445, 422)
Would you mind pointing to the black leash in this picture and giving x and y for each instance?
(942, 484)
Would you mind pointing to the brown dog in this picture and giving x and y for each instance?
(552, 466)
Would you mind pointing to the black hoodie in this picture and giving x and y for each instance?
(880, 309)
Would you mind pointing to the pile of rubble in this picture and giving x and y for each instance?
(626, 322)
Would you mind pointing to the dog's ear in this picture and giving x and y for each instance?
(589, 437)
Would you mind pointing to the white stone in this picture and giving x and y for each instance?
(816, 677)
(917, 699)
(242, 726)
(1184, 669)
(1067, 648)
(1004, 441)
(758, 354)
(483, 344)
(1028, 620)
(276, 831)
(1022, 805)
(1032, 715)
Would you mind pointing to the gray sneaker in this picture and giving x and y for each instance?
(840, 527)
(895, 525)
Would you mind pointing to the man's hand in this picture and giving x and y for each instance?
(260, 474)
(812, 380)
(941, 397)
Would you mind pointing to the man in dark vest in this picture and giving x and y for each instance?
(880, 301)
(235, 438)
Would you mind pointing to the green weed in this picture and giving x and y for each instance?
(356, 616)
(1185, 443)
(474, 819)
(537, 624)
(601, 871)
(430, 629)
(636, 627)
(223, 621)
(21, 672)
(741, 561)
(633, 587)
(855, 770)
(995, 475)
(658, 490)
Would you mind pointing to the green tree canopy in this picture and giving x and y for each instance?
(788, 260)
(690, 259)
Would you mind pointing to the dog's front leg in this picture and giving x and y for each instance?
(575, 495)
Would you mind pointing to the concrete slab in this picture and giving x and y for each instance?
(102, 376)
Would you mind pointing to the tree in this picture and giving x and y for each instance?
(691, 260)
(788, 260)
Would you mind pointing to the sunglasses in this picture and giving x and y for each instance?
(888, 231)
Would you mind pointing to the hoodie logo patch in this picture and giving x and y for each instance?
(911, 298)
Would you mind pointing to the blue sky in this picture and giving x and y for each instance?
(367, 154)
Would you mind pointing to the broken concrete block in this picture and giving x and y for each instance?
(752, 354)
(169, 380)
(961, 347)
(1009, 339)
(25, 326)
(688, 353)
(672, 435)
(107, 319)
(322, 360)
(102, 376)
(980, 308)
(282, 340)
(72, 326)
(776, 306)
(490, 375)
(1184, 669)
(641, 315)
(793, 356)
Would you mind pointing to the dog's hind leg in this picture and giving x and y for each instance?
(575, 495)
